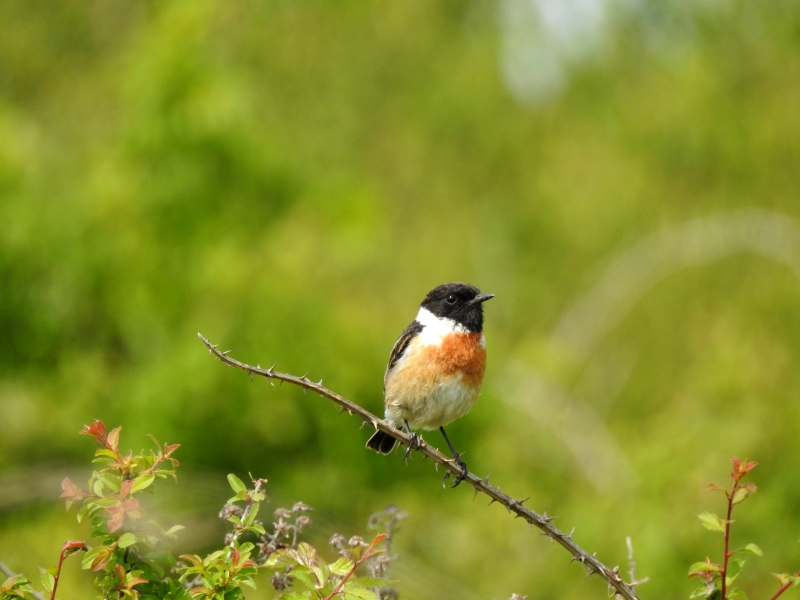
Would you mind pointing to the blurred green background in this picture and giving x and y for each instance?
(291, 178)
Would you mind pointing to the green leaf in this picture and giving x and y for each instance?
(712, 522)
(173, 530)
(126, 539)
(743, 493)
(703, 567)
(707, 592)
(251, 515)
(48, 581)
(753, 549)
(353, 590)
(297, 596)
(236, 484)
(142, 482)
(303, 574)
(341, 567)
(782, 577)
(736, 593)
(86, 562)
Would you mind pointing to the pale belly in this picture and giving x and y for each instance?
(432, 406)
(433, 387)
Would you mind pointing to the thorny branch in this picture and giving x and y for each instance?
(543, 522)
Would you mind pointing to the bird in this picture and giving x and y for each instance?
(436, 368)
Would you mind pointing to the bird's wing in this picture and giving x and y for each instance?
(402, 343)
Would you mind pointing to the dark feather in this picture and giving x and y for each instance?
(381, 442)
(402, 343)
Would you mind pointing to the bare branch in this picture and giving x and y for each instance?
(9, 573)
(481, 485)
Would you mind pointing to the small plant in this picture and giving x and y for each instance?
(133, 559)
(718, 578)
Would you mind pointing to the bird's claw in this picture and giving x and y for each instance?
(415, 443)
(461, 476)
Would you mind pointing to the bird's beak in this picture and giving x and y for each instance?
(481, 298)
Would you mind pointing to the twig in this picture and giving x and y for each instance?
(9, 573)
(543, 522)
(784, 587)
(632, 566)
(727, 538)
(248, 507)
(367, 554)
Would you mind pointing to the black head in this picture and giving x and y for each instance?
(458, 301)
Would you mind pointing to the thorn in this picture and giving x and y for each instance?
(485, 480)
(521, 502)
(475, 494)
(341, 410)
(492, 501)
(349, 412)
(225, 353)
(375, 424)
(569, 535)
(305, 391)
(319, 383)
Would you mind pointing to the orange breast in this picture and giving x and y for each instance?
(459, 353)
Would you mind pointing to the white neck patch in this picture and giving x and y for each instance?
(435, 329)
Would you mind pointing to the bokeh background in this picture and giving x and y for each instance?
(290, 179)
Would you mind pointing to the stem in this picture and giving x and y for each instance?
(236, 533)
(727, 537)
(9, 573)
(367, 553)
(543, 522)
(58, 573)
(784, 587)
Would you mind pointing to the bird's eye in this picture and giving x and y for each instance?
(451, 299)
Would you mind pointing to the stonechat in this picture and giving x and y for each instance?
(436, 367)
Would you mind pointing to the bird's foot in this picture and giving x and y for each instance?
(461, 476)
(415, 443)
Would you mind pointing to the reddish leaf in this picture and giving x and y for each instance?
(72, 546)
(97, 430)
(120, 571)
(101, 560)
(125, 488)
(70, 490)
(170, 448)
(113, 438)
(236, 557)
(131, 507)
(135, 581)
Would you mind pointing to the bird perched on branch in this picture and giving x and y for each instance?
(436, 367)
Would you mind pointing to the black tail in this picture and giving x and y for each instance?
(381, 442)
